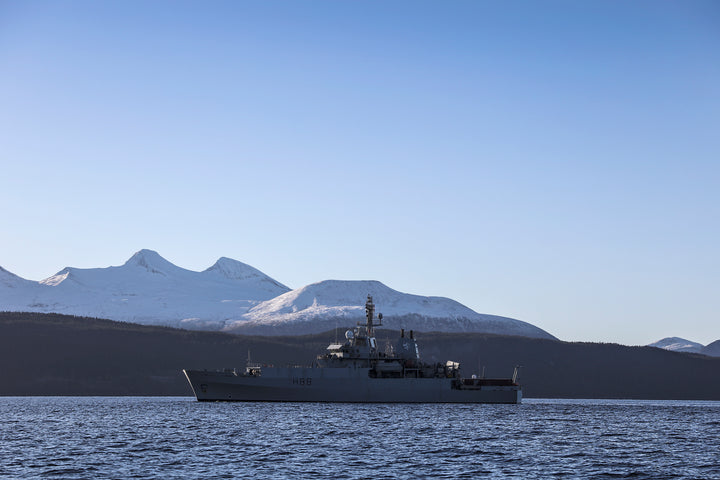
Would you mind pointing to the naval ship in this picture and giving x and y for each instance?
(356, 371)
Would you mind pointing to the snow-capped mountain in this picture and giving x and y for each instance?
(325, 305)
(147, 289)
(236, 297)
(677, 344)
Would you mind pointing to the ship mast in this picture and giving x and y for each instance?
(370, 313)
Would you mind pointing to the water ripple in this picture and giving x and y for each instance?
(133, 437)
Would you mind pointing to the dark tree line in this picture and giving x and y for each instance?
(52, 354)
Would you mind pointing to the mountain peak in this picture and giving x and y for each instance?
(233, 268)
(145, 254)
(236, 270)
(151, 261)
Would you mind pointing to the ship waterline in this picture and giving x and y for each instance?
(356, 371)
(354, 385)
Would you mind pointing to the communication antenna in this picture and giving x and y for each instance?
(515, 372)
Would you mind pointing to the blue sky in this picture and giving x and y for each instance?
(556, 162)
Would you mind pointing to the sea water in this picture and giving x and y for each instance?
(175, 437)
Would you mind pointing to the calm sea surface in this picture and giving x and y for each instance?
(150, 437)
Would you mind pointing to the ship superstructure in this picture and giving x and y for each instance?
(356, 371)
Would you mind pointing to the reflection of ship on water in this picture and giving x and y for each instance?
(356, 371)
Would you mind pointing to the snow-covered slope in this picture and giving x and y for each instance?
(10, 280)
(677, 344)
(322, 306)
(16, 291)
(146, 289)
(236, 297)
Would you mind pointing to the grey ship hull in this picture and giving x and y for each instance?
(309, 384)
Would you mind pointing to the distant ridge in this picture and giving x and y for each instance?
(677, 344)
(712, 350)
(233, 296)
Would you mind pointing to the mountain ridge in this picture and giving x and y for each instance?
(677, 344)
(712, 349)
(334, 301)
(233, 296)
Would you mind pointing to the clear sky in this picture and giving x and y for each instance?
(555, 162)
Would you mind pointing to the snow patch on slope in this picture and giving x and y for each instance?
(55, 280)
